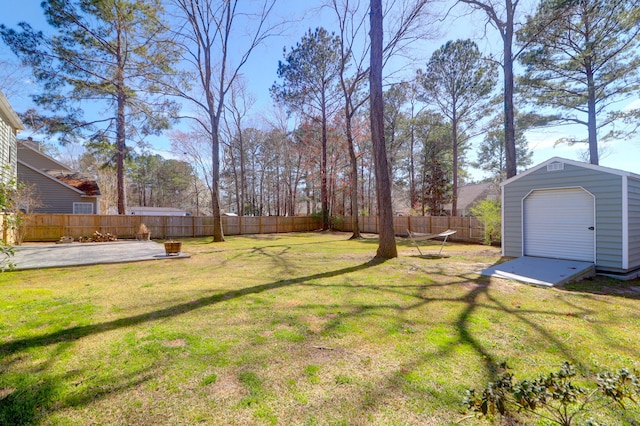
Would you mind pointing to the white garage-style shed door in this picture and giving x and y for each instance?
(560, 224)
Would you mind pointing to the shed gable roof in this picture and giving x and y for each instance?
(589, 166)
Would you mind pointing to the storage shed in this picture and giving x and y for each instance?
(565, 209)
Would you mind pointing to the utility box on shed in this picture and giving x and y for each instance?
(565, 209)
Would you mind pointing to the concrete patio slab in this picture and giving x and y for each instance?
(541, 271)
(40, 256)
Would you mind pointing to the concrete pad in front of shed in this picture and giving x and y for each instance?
(541, 271)
(39, 256)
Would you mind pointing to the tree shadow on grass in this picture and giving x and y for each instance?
(27, 397)
(600, 285)
(473, 294)
(479, 296)
(78, 332)
(26, 403)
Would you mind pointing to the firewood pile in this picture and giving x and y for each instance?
(98, 237)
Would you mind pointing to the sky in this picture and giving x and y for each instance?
(261, 72)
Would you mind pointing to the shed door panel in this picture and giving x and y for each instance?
(557, 224)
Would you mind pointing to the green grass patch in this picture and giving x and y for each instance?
(294, 329)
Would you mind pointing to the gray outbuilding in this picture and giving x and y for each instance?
(565, 209)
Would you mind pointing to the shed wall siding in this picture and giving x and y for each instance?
(634, 223)
(55, 197)
(607, 189)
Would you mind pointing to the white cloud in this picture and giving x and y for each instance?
(632, 105)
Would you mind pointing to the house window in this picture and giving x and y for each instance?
(82, 208)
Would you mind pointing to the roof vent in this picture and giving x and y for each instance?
(554, 167)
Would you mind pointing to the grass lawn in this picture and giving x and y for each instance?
(300, 329)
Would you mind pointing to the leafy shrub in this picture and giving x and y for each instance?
(488, 211)
(553, 397)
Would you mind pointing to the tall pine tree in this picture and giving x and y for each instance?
(110, 54)
(583, 59)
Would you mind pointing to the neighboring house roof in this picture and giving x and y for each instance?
(9, 114)
(32, 153)
(469, 194)
(595, 167)
(53, 178)
(157, 210)
(81, 182)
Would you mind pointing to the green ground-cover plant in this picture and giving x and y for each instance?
(7, 190)
(556, 397)
(15, 198)
(293, 329)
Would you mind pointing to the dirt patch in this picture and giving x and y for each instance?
(5, 392)
(633, 291)
(176, 343)
(228, 388)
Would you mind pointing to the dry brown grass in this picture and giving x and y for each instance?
(291, 329)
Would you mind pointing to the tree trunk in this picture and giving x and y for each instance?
(353, 173)
(355, 222)
(509, 113)
(323, 168)
(454, 196)
(121, 148)
(387, 245)
(591, 122)
(413, 197)
(236, 178)
(218, 234)
(243, 174)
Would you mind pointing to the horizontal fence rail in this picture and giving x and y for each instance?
(468, 229)
(51, 227)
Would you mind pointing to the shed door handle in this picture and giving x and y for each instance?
(591, 228)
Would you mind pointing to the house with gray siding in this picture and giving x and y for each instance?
(10, 125)
(565, 209)
(59, 189)
(469, 195)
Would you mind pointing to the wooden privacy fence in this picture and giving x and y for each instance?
(468, 229)
(51, 227)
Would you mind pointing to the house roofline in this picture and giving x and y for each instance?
(573, 163)
(48, 157)
(58, 181)
(6, 109)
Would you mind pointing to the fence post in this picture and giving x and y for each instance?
(66, 226)
(164, 227)
(50, 227)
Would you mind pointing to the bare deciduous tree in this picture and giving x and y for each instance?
(213, 33)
